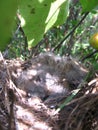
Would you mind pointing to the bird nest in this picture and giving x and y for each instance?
(47, 92)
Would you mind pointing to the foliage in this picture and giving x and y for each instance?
(39, 16)
(7, 13)
(88, 5)
(77, 43)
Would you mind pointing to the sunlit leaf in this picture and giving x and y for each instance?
(37, 16)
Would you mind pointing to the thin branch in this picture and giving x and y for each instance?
(59, 45)
(89, 55)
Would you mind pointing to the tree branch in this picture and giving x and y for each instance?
(59, 45)
(89, 55)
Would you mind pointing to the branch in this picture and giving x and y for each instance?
(59, 45)
(89, 55)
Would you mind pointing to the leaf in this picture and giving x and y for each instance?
(37, 16)
(88, 5)
(7, 12)
(69, 99)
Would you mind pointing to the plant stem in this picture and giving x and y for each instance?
(71, 32)
(89, 55)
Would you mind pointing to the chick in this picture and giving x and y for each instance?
(51, 75)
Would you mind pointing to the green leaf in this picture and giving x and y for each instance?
(88, 5)
(68, 99)
(37, 16)
(7, 12)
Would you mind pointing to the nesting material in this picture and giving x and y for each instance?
(46, 78)
(49, 75)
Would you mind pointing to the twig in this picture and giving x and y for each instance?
(59, 45)
(11, 119)
(89, 55)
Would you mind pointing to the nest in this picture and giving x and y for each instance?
(21, 111)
